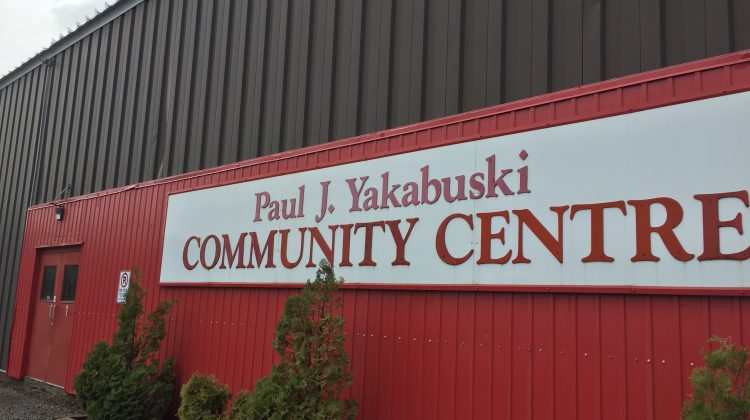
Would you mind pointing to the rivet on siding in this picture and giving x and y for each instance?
(500, 347)
(610, 356)
(585, 355)
(481, 345)
(399, 338)
(519, 349)
(541, 350)
(663, 362)
(636, 359)
(692, 364)
(372, 335)
(562, 353)
(463, 344)
(414, 339)
(429, 341)
(648, 360)
(385, 337)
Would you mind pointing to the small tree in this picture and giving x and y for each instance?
(314, 367)
(203, 398)
(124, 380)
(722, 387)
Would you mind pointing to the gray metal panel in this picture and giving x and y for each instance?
(17, 199)
(157, 88)
(740, 36)
(20, 104)
(100, 49)
(110, 36)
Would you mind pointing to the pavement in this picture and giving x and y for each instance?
(32, 400)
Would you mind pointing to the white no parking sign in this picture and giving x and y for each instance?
(123, 284)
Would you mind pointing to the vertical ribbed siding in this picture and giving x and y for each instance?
(173, 86)
(20, 104)
(415, 354)
(570, 354)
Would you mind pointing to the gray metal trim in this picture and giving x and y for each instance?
(106, 16)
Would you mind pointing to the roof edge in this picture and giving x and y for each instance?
(104, 17)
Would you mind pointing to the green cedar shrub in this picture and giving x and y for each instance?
(203, 398)
(125, 380)
(722, 387)
(241, 409)
(314, 369)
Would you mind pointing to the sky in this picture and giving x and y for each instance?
(28, 26)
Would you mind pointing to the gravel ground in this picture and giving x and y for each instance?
(28, 399)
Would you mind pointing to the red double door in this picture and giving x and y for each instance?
(56, 285)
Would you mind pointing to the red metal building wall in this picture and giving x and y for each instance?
(510, 352)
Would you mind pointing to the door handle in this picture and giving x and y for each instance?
(53, 312)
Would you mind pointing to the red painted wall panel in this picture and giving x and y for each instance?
(442, 353)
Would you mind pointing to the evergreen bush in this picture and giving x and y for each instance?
(125, 380)
(241, 409)
(722, 387)
(314, 369)
(203, 398)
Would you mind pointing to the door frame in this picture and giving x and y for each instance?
(33, 301)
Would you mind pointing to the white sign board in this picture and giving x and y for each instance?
(653, 198)
(123, 284)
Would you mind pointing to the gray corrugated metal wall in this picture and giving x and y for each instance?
(173, 86)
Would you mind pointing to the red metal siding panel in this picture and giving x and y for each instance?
(542, 355)
(564, 373)
(638, 338)
(666, 355)
(443, 353)
(613, 362)
(521, 368)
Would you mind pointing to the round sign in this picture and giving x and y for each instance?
(124, 280)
